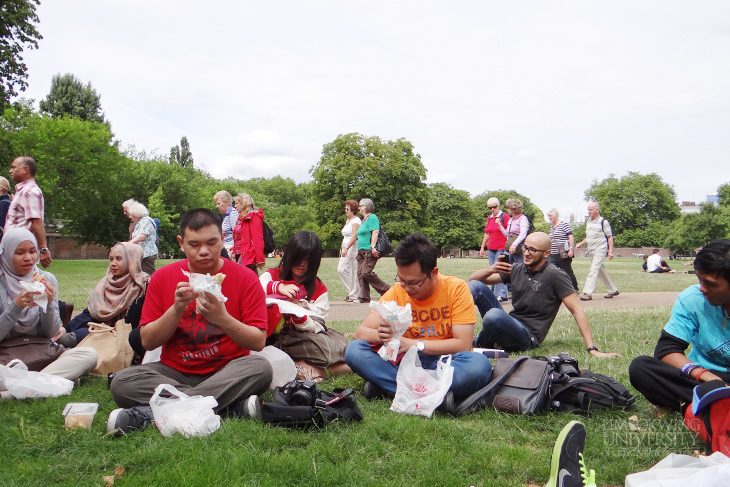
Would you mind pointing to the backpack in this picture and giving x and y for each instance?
(584, 391)
(709, 416)
(269, 241)
(300, 404)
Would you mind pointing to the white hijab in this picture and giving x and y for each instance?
(28, 318)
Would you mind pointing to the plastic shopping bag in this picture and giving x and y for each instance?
(24, 384)
(284, 368)
(420, 391)
(677, 470)
(399, 318)
(188, 415)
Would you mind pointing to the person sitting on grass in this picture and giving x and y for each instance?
(27, 330)
(655, 264)
(538, 290)
(699, 318)
(443, 323)
(318, 351)
(118, 295)
(205, 343)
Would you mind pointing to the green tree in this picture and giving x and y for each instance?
(354, 166)
(632, 203)
(69, 96)
(531, 211)
(451, 217)
(723, 194)
(18, 31)
(697, 229)
(181, 155)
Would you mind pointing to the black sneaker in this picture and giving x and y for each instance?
(121, 421)
(566, 462)
(372, 391)
(248, 408)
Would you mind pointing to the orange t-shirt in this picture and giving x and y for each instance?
(451, 304)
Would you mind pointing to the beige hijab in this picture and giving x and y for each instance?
(114, 295)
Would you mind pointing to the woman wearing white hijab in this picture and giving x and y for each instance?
(20, 315)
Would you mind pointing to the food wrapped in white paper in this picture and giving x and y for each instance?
(206, 283)
(399, 318)
(37, 287)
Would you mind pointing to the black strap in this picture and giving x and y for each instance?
(482, 398)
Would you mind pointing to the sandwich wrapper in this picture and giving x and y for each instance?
(37, 287)
(205, 283)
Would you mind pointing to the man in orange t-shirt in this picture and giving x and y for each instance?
(443, 323)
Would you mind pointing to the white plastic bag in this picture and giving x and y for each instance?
(284, 368)
(24, 384)
(420, 391)
(399, 318)
(677, 470)
(189, 415)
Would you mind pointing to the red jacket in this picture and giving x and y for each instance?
(248, 237)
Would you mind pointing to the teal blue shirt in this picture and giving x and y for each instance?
(704, 326)
(363, 231)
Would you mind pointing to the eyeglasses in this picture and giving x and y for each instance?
(492, 207)
(410, 284)
(532, 250)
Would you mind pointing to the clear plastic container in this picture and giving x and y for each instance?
(80, 414)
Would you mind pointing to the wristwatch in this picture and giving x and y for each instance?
(592, 348)
(44, 250)
(420, 345)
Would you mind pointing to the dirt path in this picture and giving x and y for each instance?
(341, 311)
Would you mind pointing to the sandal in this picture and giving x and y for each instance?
(308, 373)
(348, 300)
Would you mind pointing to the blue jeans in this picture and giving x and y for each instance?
(499, 329)
(472, 371)
(500, 290)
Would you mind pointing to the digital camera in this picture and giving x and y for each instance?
(300, 393)
(564, 364)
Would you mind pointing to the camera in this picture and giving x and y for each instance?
(300, 393)
(564, 364)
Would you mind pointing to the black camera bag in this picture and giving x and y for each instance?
(340, 404)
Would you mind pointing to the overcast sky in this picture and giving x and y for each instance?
(539, 97)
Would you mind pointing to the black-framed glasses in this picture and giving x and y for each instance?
(492, 207)
(532, 250)
(398, 280)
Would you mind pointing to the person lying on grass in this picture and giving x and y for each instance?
(27, 330)
(538, 290)
(699, 318)
(443, 323)
(205, 343)
(318, 351)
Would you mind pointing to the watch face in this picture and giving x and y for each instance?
(43, 251)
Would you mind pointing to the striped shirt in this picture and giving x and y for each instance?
(559, 237)
(229, 223)
(27, 204)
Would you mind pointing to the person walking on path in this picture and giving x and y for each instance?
(562, 249)
(599, 238)
(367, 254)
(347, 266)
(495, 241)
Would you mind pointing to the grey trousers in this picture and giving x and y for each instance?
(240, 378)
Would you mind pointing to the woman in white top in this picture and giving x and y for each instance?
(347, 268)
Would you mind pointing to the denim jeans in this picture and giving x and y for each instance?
(500, 290)
(472, 371)
(499, 329)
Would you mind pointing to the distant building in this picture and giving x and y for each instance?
(690, 207)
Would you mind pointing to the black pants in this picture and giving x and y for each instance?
(566, 265)
(663, 384)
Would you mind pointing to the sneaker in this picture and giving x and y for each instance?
(121, 421)
(588, 476)
(500, 299)
(610, 295)
(449, 404)
(248, 408)
(372, 391)
(585, 297)
(566, 461)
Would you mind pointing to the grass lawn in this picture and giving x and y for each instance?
(484, 449)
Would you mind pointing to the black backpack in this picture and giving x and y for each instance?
(584, 391)
(269, 241)
(300, 404)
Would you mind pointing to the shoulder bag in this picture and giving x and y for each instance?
(35, 351)
(383, 245)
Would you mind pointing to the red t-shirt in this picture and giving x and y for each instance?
(197, 346)
(497, 241)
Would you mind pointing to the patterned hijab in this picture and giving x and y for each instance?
(114, 295)
(29, 316)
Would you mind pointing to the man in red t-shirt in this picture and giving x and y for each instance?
(205, 342)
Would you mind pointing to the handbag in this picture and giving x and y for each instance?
(509, 243)
(383, 245)
(36, 352)
(112, 345)
(520, 386)
(319, 349)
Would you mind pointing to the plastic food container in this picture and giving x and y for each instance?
(80, 414)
